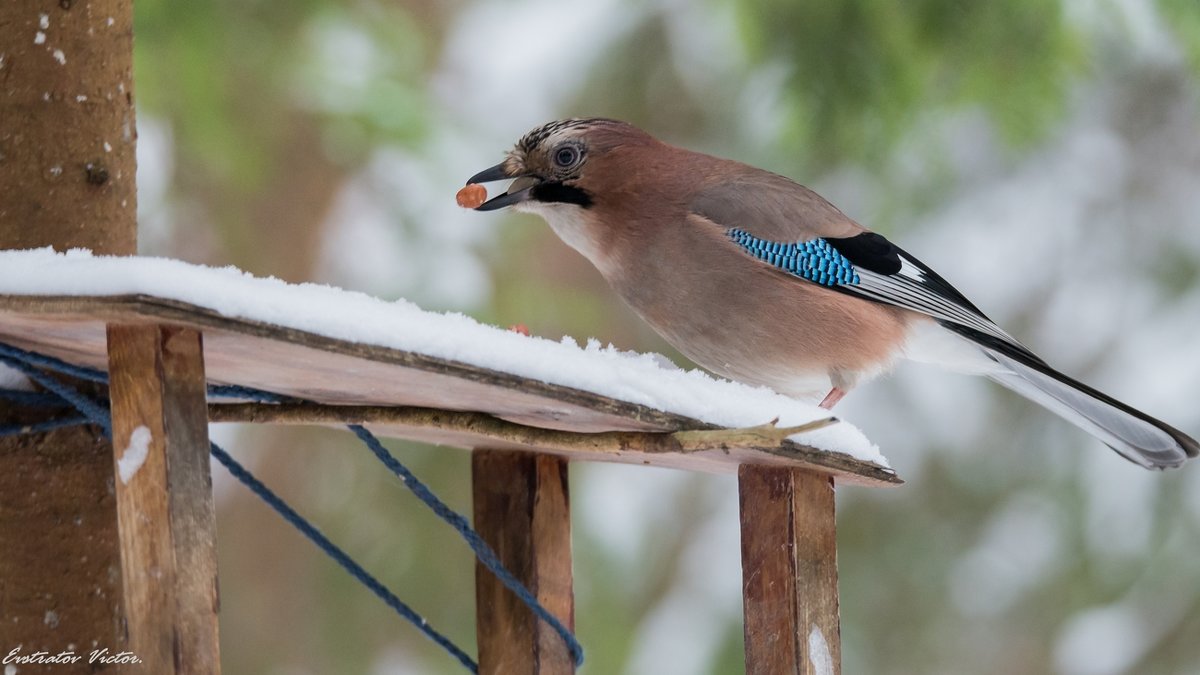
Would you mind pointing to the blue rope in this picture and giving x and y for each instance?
(90, 409)
(249, 393)
(24, 360)
(309, 530)
(31, 398)
(51, 363)
(483, 552)
(20, 359)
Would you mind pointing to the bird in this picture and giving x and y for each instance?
(759, 279)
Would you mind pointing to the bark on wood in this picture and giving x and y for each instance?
(164, 498)
(65, 91)
(60, 576)
(712, 450)
(767, 435)
(789, 572)
(522, 510)
(67, 141)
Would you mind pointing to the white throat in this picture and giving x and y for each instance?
(572, 224)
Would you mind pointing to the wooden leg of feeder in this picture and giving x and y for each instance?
(164, 498)
(789, 571)
(522, 511)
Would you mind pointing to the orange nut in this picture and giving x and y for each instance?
(471, 195)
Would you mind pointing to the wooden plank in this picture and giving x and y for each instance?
(710, 451)
(522, 511)
(789, 572)
(164, 498)
(320, 368)
(340, 373)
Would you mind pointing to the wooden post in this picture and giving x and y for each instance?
(789, 571)
(164, 498)
(67, 169)
(522, 510)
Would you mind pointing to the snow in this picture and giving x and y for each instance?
(13, 379)
(134, 455)
(818, 652)
(356, 317)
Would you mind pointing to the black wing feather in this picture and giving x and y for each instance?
(873, 251)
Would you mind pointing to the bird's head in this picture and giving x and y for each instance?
(562, 165)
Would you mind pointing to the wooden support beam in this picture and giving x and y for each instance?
(522, 510)
(789, 572)
(164, 498)
(713, 449)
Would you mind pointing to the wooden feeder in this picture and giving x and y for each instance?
(157, 532)
(161, 353)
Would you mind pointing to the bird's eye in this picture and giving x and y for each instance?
(566, 156)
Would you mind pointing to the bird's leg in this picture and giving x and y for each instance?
(832, 398)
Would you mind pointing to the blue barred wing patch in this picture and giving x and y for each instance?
(814, 260)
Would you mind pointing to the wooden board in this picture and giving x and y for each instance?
(522, 510)
(339, 372)
(165, 512)
(319, 368)
(789, 572)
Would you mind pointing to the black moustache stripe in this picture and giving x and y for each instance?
(562, 194)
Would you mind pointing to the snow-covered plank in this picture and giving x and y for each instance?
(318, 368)
(339, 348)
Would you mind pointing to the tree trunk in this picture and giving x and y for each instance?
(67, 171)
(67, 135)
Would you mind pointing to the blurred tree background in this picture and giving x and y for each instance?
(1043, 155)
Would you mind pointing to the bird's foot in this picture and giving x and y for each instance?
(832, 398)
(769, 435)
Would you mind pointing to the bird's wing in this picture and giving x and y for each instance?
(858, 263)
(794, 229)
(865, 264)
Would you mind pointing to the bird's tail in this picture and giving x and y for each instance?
(1135, 435)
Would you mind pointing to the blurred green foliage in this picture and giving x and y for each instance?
(861, 72)
(226, 72)
(1184, 19)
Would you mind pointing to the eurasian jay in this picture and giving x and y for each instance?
(759, 279)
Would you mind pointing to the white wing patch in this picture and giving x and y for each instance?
(910, 288)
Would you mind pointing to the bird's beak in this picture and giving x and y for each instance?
(517, 192)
